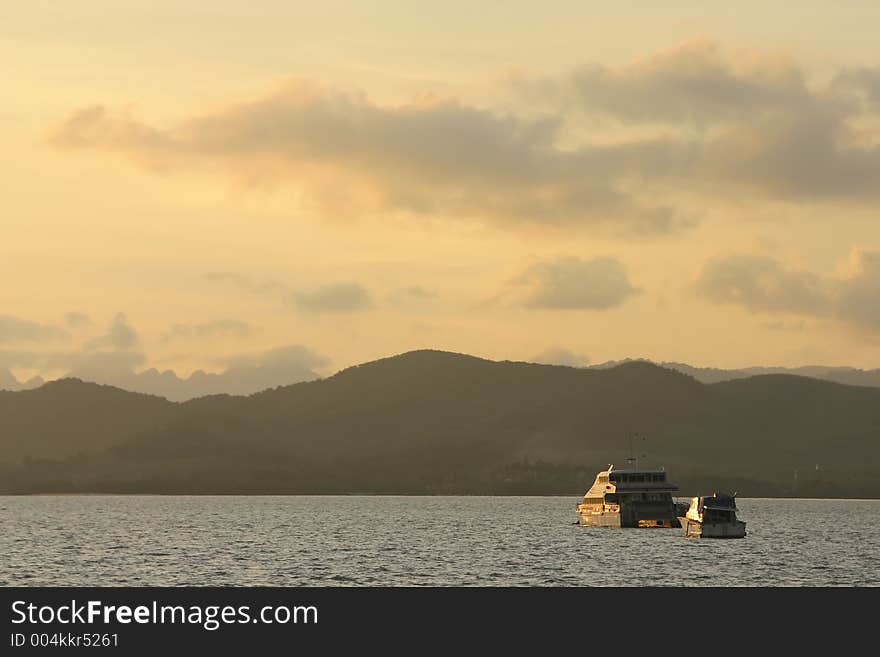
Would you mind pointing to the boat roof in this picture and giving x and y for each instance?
(611, 468)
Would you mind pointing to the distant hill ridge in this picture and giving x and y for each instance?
(846, 375)
(175, 388)
(439, 422)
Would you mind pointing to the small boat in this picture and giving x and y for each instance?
(713, 516)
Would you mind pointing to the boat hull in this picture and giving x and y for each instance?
(617, 520)
(696, 529)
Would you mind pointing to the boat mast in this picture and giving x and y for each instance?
(633, 459)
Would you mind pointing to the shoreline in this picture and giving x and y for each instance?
(553, 495)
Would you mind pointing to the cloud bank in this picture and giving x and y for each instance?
(116, 358)
(14, 329)
(763, 284)
(577, 153)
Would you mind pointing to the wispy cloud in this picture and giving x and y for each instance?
(216, 328)
(15, 329)
(119, 336)
(247, 283)
(730, 122)
(763, 284)
(335, 298)
(76, 319)
(572, 283)
(433, 157)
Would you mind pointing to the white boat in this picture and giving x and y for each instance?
(629, 498)
(713, 516)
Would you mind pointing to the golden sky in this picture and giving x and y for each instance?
(189, 184)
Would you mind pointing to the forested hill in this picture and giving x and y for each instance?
(438, 422)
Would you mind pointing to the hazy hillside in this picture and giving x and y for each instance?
(9, 382)
(436, 422)
(243, 376)
(280, 368)
(846, 375)
(69, 416)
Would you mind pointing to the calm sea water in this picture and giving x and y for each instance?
(406, 541)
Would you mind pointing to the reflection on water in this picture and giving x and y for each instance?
(372, 541)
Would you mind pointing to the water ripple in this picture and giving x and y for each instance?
(414, 541)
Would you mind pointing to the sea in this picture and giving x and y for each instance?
(129, 540)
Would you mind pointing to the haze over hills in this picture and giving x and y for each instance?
(243, 375)
(438, 422)
(9, 382)
(846, 375)
(288, 365)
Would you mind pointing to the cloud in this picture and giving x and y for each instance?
(120, 335)
(111, 367)
(243, 374)
(733, 121)
(13, 329)
(72, 362)
(694, 81)
(278, 366)
(763, 284)
(114, 359)
(628, 149)
(858, 295)
(417, 292)
(340, 297)
(863, 82)
(108, 354)
(573, 283)
(429, 157)
(331, 298)
(795, 326)
(247, 283)
(555, 355)
(10, 358)
(9, 382)
(77, 320)
(412, 297)
(217, 328)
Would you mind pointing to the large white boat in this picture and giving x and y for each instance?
(630, 498)
(713, 516)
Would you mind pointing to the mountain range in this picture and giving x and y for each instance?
(846, 375)
(245, 380)
(435, 422)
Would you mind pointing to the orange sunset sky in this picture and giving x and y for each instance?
(190, 184)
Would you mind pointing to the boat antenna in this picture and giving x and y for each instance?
(633, 459)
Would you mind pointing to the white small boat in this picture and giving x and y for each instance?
(713, 516)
